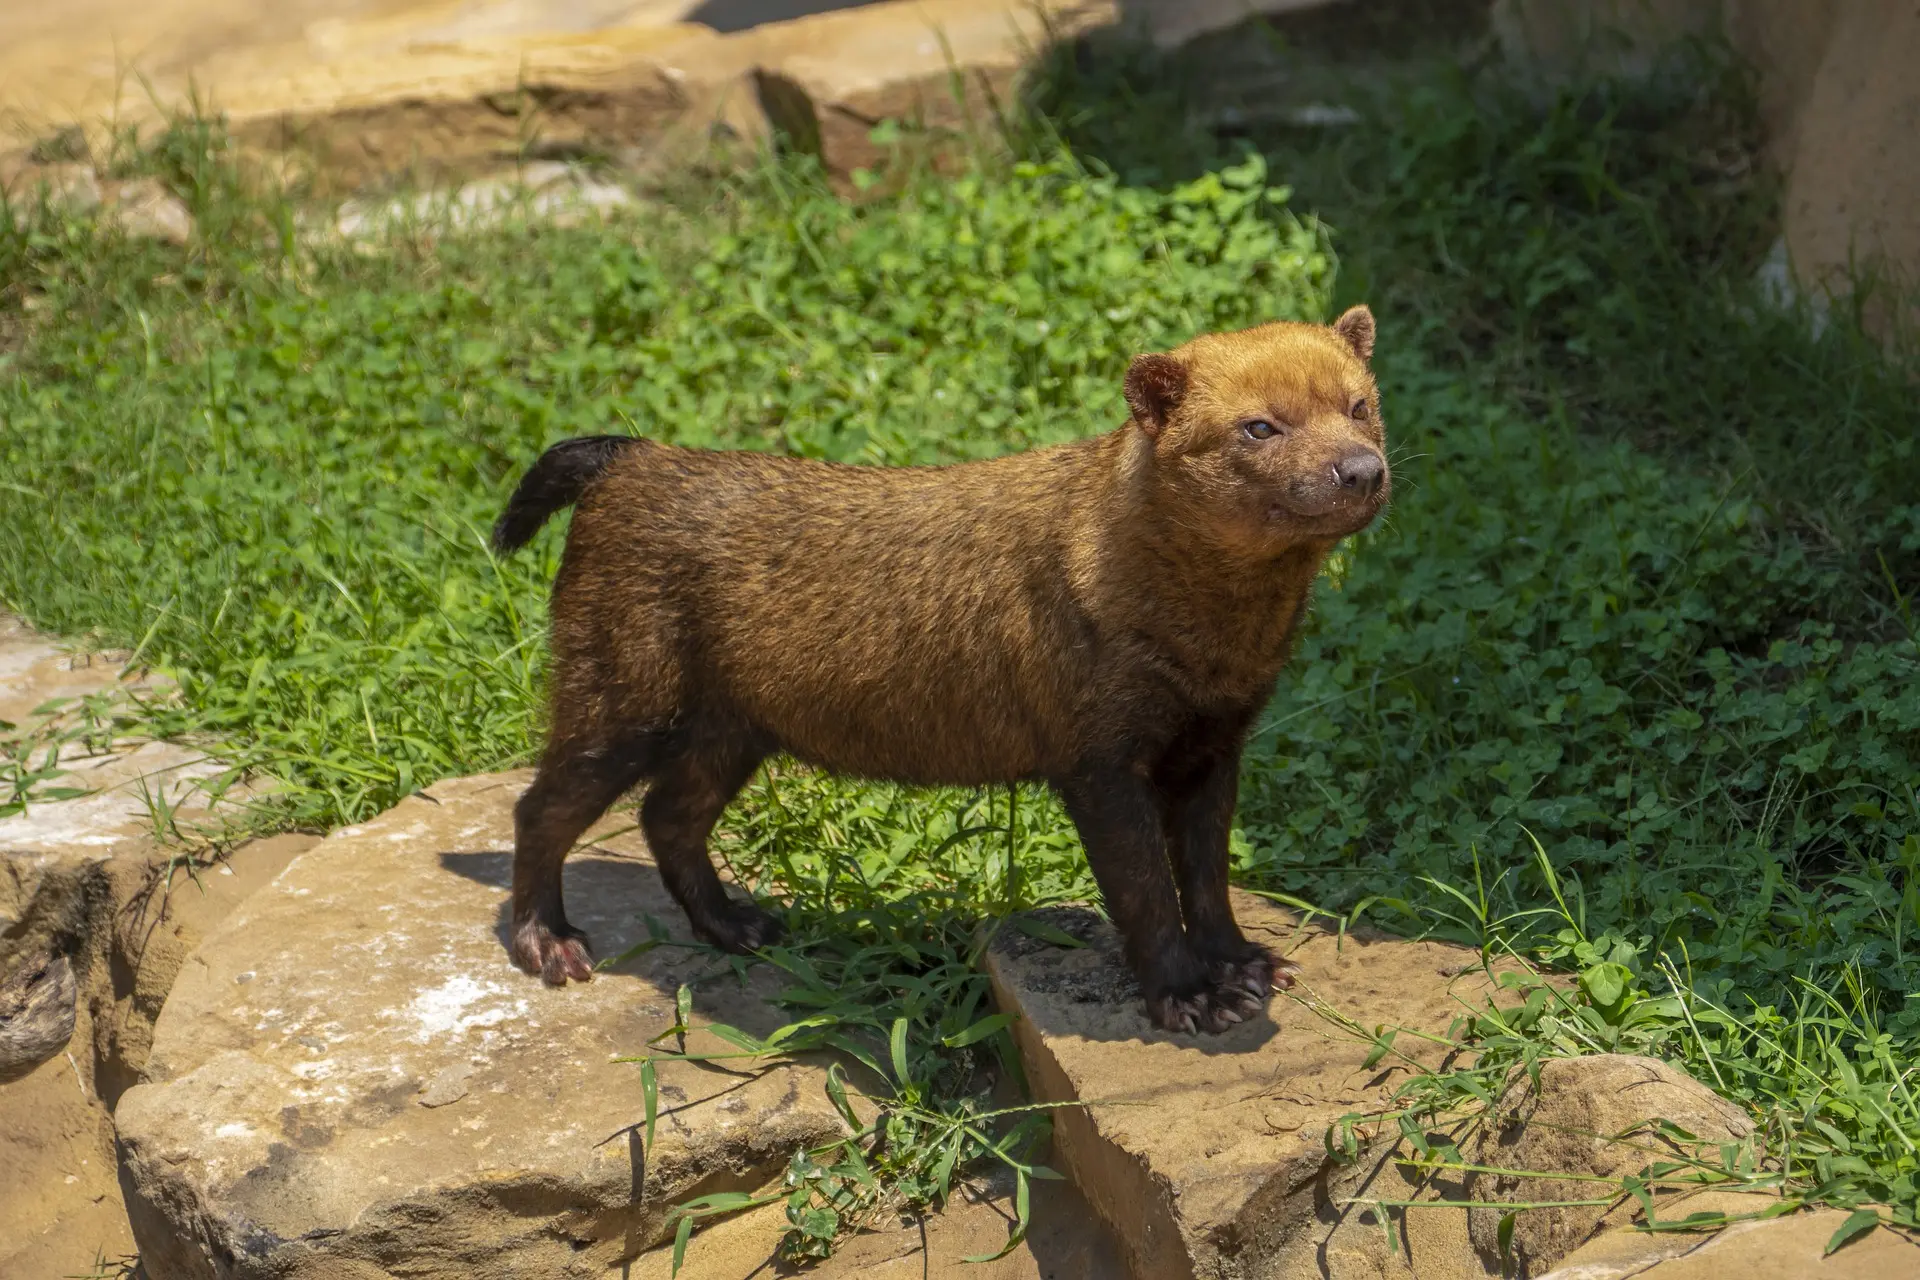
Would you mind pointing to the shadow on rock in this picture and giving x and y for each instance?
(1090, 992)
(613, 896)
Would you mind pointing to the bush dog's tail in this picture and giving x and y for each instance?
(557, 480)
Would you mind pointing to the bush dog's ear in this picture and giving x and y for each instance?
(1356, 326)
(1156, 384)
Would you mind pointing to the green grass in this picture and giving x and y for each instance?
(280, 468)
(1643, 597)
(274, 470)
(1648, 602)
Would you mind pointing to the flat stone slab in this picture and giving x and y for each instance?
(122, 787)
(1206, 1154)
(351, 1080)
(53, 838)
(1788, 1248)
(34, 670)
(59, 885)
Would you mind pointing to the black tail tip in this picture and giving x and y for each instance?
(557, 480)
(509, 535)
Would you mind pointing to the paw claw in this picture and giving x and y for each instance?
(1211, 1009)
(1239, 977)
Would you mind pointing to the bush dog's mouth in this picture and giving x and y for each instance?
(1337, 516)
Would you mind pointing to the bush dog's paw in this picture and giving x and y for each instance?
(741, 928)
(1211, 1009)
(554, 955)
(1239, 976)
(1252, 967)
(1248, 967)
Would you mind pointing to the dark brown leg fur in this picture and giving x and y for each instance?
(1199, 817)
(686, 799)
(1120, 816)
(576, 783)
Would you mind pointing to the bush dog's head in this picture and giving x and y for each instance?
(1270, 436)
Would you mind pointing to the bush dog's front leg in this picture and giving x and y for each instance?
(1120, 815)
(1199, 818)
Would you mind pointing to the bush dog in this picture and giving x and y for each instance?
(1106, 616)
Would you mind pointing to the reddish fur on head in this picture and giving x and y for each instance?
(1312, 386)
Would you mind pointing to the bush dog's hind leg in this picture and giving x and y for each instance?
(1120, 816)
(688, 795)
(1201, 800)
(578, 780)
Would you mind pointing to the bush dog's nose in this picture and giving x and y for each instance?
(1361, 472)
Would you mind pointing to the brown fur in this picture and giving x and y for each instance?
(1106, 616)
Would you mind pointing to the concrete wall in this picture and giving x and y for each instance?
(1839, 90)
(372, 87)
(356, 92)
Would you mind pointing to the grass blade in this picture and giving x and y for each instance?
(1858, 1223)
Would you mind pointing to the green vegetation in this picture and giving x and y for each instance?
(1647, 604)
(1626, 682)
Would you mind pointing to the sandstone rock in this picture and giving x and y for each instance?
(1627, 1251)
(546, 190)
(1207, 1154)
(124, 787)
(649, 92)
(35, 671)
(56, 892)
(51, 901)
(67, 186)
(943, 67)
(60, 1208)
(1172, 23)
(1788, 1248)
(63, 146)
(282, 1130)
(83, 881)
(372, 89)
(1066, 1242)
(145, 209)
(1574, 39)
(1589, 1116)
(47, 851)
(70, 869)
(162, 917)
(1854, 173)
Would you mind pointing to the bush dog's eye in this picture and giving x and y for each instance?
(1260, 430)
(1359, 410)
